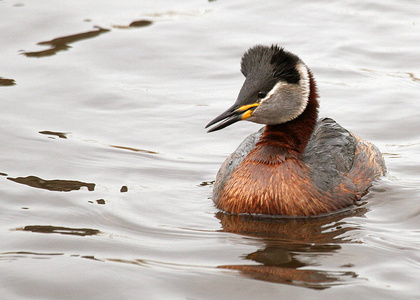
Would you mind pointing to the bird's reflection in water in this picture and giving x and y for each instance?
(291, 246)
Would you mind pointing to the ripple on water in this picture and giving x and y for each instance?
(106, 169)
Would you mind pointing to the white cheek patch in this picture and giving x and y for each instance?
(303, 86)
(285, 101)
(279, 85)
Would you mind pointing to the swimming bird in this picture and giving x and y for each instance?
(296, 165)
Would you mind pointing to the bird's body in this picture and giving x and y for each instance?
(297, 165)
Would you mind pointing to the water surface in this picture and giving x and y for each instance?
(106, 169)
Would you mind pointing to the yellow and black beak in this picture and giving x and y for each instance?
(232, 115)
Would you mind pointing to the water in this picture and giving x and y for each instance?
(106, 168)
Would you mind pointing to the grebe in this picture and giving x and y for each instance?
(296, 165)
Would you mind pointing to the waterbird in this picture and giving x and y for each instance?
(296, 165)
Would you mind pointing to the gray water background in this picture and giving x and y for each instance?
(106, 169)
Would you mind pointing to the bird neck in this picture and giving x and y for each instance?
(294, 135)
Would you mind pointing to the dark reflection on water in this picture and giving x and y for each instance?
(53, 185)
(25, 254)
(205, 183)
(140, 23)
(288, 244)
(88, 257)
(100, 201)
(136, 262)
(7, 81)
(134, 149)
(62, 43)
(61, 135)
(135, 24)
(59, 230)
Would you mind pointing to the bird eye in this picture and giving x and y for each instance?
(262, 95)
